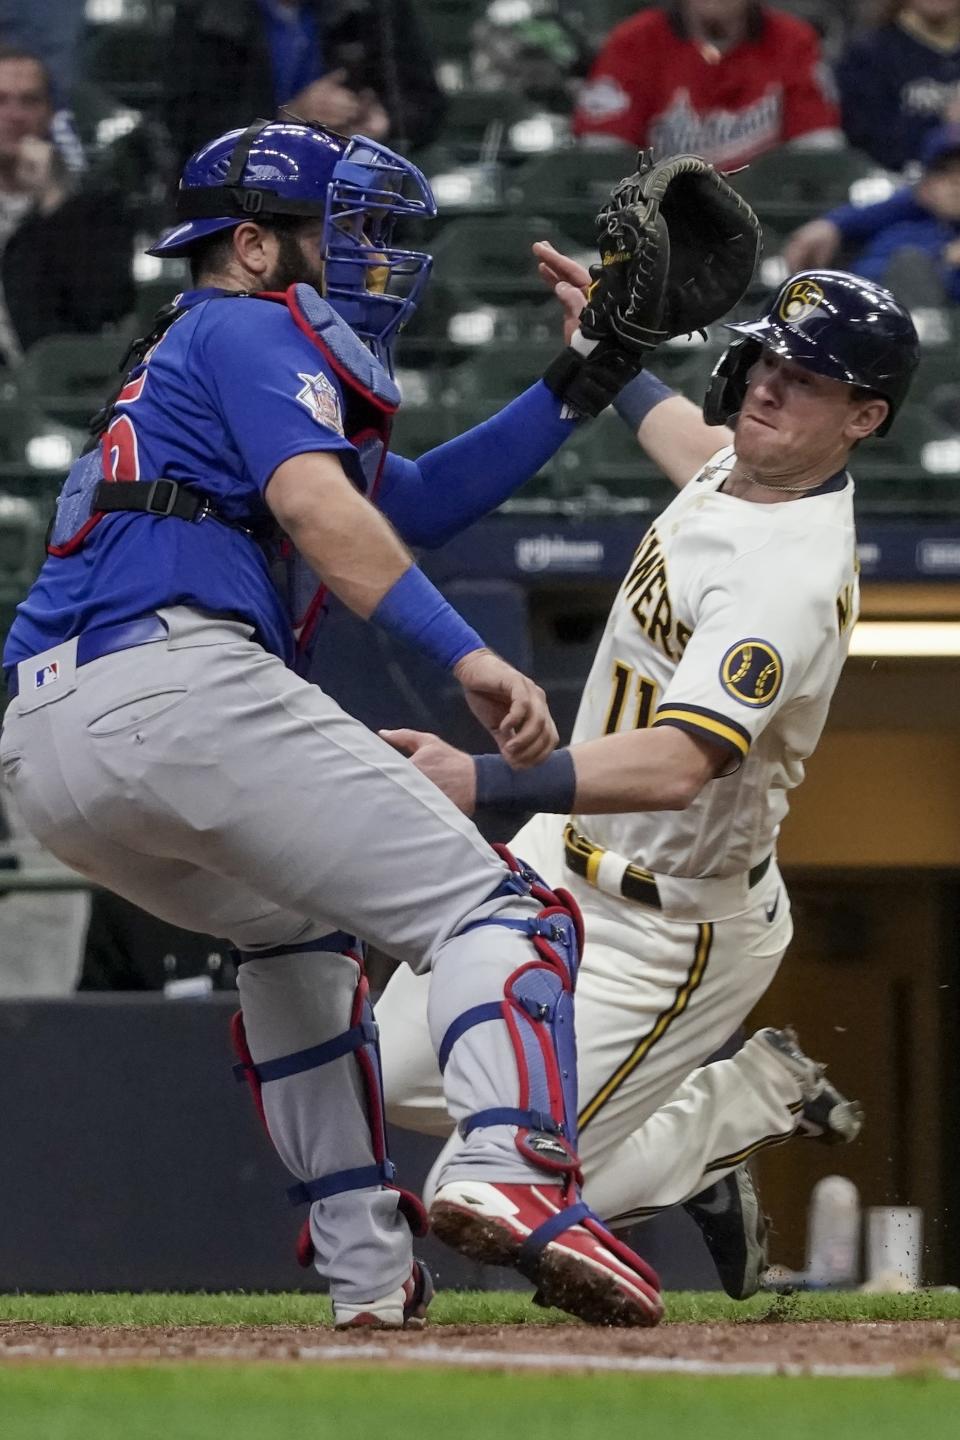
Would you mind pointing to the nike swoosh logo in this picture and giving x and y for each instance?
(771, 910)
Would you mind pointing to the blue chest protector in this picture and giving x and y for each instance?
(370, 400)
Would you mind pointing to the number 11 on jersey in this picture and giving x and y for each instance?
(645, 691)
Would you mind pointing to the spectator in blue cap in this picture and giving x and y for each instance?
(922, 219)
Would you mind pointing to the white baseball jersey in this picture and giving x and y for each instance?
(733, 623)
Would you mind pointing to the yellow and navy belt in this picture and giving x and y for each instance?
(583, 858)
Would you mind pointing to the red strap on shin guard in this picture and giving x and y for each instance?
(238, 1035)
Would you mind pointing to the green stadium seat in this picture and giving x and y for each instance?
(790, 185)
(449, 23)
(419, 428)
(488, 259)
(915, 470)
(497, 373)
(153, 295)
(569, 187)
(477, 122)
(69, 377)
(22, 530)
(603, 469)
(687, 366)
(126, 60)
(599, 17)
(35, 453)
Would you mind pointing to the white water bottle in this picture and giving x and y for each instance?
(833, 1233)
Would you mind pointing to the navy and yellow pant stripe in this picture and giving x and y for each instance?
(661, 1025)
(738, 1157)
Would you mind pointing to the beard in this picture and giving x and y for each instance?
(294, 265)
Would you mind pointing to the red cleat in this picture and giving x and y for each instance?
(577, 1266)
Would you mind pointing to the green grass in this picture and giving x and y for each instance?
(196, 1403)
(458, 1308)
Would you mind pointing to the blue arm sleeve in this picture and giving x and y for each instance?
(450, 487)
(861, 222)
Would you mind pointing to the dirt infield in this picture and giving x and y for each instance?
(750, 1346)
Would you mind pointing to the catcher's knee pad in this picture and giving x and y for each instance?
(362, 1041)
(537, 1009)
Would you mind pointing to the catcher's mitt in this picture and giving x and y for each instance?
(674, 232)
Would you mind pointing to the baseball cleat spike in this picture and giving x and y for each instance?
(585, 1273)
(826, 1115)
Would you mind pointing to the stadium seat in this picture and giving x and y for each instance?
(69, 377)
(599, 17)
(449, 24)
(499, 372)
(686, 365)
(22, 530)
(478, 121)
(915, 470)
(602, 469)
(126, 60)
(790, 185)
(35, 453)
(418, 429)
(153, 295)
(569, 187)
(489, 259)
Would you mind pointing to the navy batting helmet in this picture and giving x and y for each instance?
(357, 186)
(833, 323)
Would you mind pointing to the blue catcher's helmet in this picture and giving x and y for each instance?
(358, 187)
(833, 323)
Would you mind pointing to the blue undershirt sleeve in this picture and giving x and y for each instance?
(862, 222)
(432, 499)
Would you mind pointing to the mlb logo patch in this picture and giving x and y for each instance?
(46, 675)
(321, 399)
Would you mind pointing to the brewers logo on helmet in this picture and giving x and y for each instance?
(836, 324)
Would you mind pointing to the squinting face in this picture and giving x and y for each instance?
(793, 422)
(24, 105)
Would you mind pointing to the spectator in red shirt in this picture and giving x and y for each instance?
(726, 79)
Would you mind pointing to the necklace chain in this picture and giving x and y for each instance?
(796, 489)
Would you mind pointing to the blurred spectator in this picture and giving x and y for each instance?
(360, 66)
(49, 29)
(65, 253)
(902, 79)
(919, 223)
(538, 53)
(726, 79)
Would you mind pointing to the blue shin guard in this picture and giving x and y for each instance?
(537, 1008)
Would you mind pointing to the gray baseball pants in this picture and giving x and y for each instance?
(209, 784)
